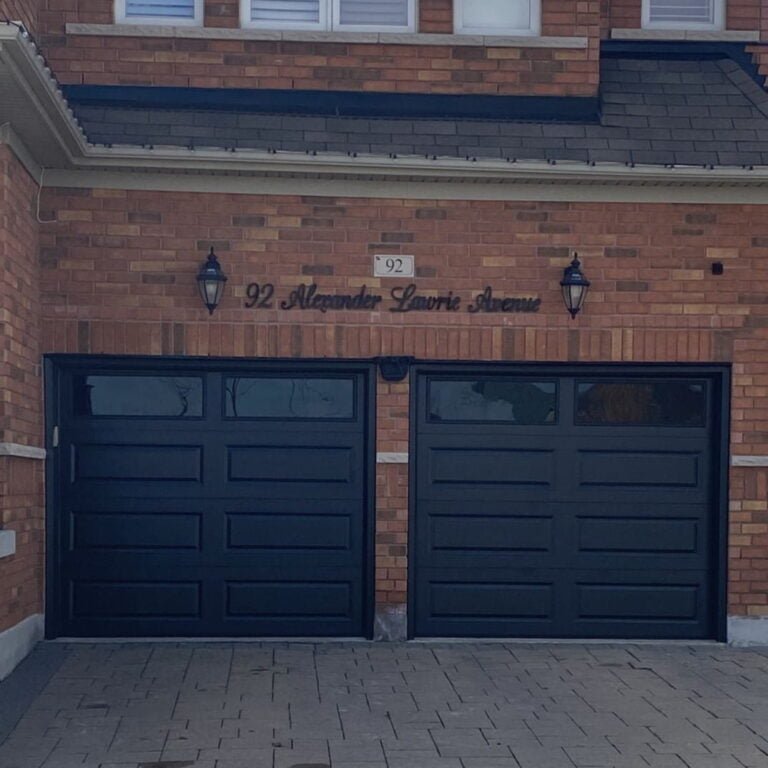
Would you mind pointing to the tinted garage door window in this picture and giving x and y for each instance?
(565, 506)
(211, 502)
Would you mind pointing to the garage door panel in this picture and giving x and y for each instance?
(504, 473)
(125, 531)
(512, 600)
(493, 603)
(450, 541)
(274, 532)
(290, 599)
(638, 602)
(627, 603)
(633, 535)
(138, 599)
(503, 466)
(490, 533)
(291, 464)
(639, 469)
(140, 463)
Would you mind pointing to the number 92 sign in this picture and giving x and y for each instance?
(393, 266)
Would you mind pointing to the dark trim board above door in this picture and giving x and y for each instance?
(568, 501)
(210, 497)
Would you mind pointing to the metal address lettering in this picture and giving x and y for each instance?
(401, 299)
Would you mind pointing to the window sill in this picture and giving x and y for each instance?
(7, 543)
(731, 36)
(388, 38)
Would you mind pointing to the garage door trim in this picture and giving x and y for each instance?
(56, 366)
(718, 374)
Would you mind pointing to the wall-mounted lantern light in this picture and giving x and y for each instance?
(574, 286)
(210, 281)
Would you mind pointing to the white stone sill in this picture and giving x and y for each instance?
(7, 543)
(749, 461)
(720, 35)
(383, 38)
(22, 451)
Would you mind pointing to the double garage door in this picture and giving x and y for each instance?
(217, 499)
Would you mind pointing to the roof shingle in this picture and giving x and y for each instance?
(664, 111)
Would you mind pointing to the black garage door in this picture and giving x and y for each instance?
(579, 503)
(210, 499)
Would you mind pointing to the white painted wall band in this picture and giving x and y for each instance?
(391, 458)
(22, 451)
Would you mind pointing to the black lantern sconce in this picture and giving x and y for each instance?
(210, 281)
(574, 286)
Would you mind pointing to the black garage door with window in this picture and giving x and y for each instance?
(580, 503)
(210, 499)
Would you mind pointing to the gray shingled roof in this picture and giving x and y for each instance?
(658, 112)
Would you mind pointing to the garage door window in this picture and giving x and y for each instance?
(641, 403)
(289, 398)
(493, 400)
(138, 396)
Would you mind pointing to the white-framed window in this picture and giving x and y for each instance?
(497, 17)
(684, 14)
(332, 15)
(177, 13)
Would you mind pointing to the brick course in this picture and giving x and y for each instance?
(206, 63)
(118, 277)
(21, 480)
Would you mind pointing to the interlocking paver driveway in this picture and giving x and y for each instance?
(399, 705)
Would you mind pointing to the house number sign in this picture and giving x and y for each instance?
(393, 266)
(405, 298)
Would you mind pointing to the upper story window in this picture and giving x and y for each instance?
(339, 15)
(497, 17)
(173, 12)
(684, 14)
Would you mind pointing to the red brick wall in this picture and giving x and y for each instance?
(621, 14)
(626, 14)
(21, 480)
(21, 508)
(759, 52)
(743, 14)
(748, 578)
(337, 66)
(392, 423)
(24, 11)
(118, 277)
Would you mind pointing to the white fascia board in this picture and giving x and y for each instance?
(262, 161)
(11, 138)
(401, 187)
